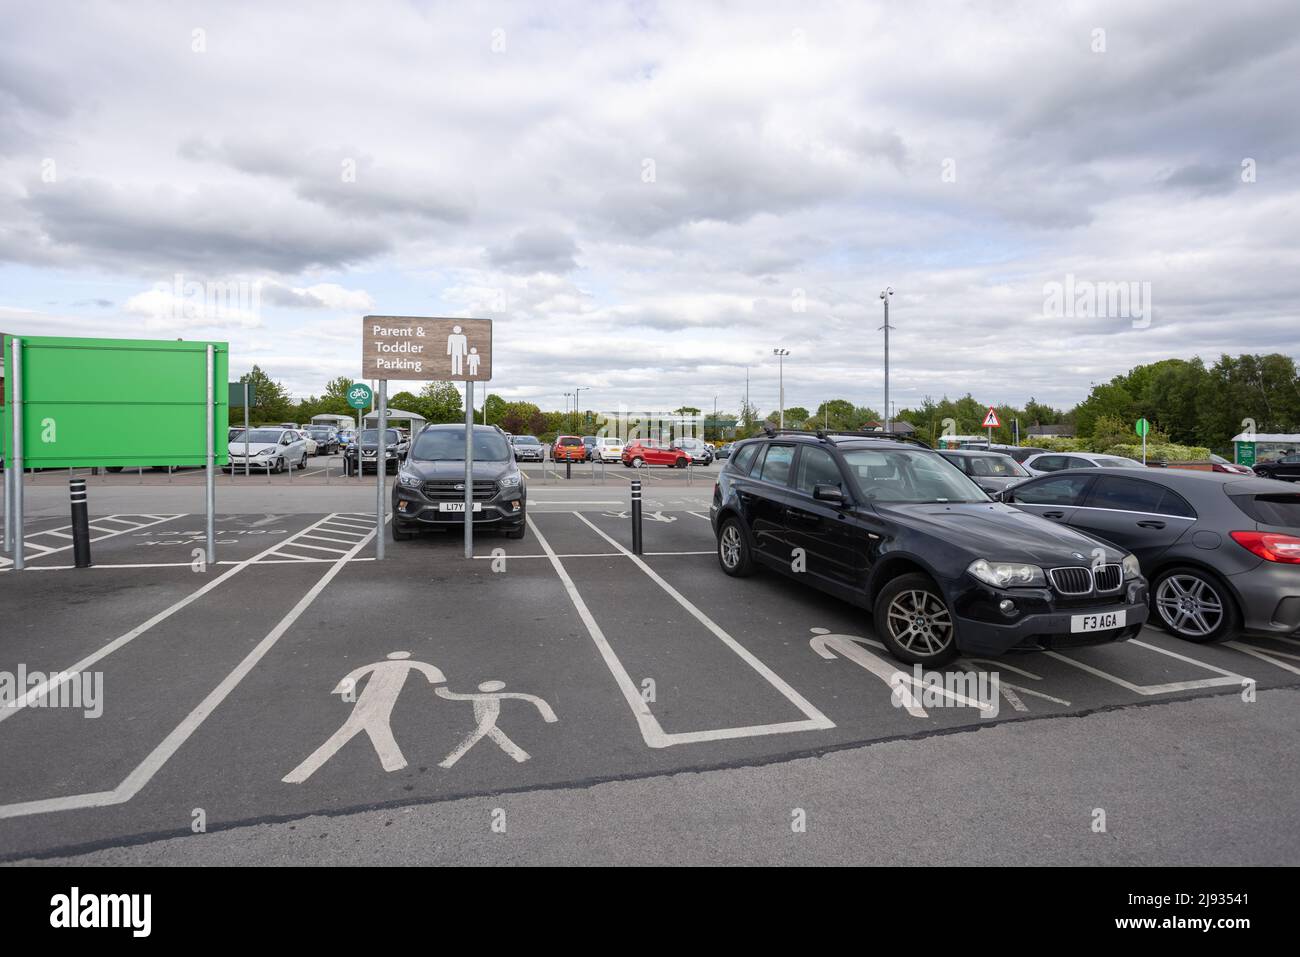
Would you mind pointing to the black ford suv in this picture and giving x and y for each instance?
(430, 487)
(892, 526)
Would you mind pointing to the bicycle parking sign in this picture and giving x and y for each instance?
(360, 395)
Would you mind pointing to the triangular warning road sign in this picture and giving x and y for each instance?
(991, 420)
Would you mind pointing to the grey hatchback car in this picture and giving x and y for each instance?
(1221, 550)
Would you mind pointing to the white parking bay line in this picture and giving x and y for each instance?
(59, 677)
(147, 768)
(651, 731)
(1229, 677)
(1267, 654)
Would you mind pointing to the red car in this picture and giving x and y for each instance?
(568, 448)
(639, 452)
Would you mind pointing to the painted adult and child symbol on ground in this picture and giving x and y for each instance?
(372, 715)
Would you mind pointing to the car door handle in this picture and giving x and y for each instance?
(1151, 523)
(1053, 515)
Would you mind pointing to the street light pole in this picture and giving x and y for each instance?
(885, 295)
(577, 426)
(567, 397)
(780, 359)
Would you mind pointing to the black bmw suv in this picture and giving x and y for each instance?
(892, 526)
(430, 487)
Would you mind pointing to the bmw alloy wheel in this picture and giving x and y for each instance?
(919, 622)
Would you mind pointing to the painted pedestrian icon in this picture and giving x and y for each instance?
(473, 360)
(487, 709)
(458, 348)
(373, 711)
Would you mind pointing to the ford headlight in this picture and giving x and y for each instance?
(1006, 574)
(509, 481)
(1131, 567)
(408, 480)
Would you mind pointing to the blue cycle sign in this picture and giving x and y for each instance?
(359, 395)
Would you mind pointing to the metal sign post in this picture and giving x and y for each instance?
(469, 469)
(247, 400)
(381, 468)
(16, 372)
(211, 479)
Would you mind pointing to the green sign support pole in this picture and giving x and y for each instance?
(16, 466)
(9, 471)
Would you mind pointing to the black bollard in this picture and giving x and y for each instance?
(80, 522)
(568, 468)
(636, 516)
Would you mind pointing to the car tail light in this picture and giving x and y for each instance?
(1270, 546)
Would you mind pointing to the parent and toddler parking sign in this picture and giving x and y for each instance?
(411, 347)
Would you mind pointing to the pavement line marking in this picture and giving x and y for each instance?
(1230, 677)
(326, 538)
(1268, 655)
(651, 731)
(60, 534)
(544, 555)
(150, 766)
(816, 721)
(15, 706)
(320, 548)
(698, 515)
(581, 502)
(109, 533)
(706, 552)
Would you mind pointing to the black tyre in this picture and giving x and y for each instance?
(637, 462)
(1193, 604)
(302, 463)
(914, 621)
(279, 465)
(682, 463)
(401, 533)
(733, 550)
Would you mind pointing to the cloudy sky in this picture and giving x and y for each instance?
(649, 198)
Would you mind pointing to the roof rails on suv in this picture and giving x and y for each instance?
(829, 435)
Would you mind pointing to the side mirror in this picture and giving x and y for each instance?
(831, 494)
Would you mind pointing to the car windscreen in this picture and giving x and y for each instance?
(319, 433)
(1107, 462)
(567, 441)
(1000, 466)
(449, 444)
(1272, 509)
(261, 435)
(522, 439)
(911, 476)
(372, 436)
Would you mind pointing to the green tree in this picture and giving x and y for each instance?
(271, 401)
(441, 402)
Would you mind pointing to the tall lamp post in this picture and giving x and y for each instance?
(885, 295)
(567, 397)
(578, 426)
(780, 360)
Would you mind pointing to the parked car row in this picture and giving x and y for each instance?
(1076, 556)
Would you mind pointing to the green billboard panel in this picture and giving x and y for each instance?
(116, 402)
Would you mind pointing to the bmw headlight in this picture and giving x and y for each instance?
(1131, 567)
(408, 480)
(1006, 574)
(509, 481)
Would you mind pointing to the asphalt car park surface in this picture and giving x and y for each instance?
(218, 684)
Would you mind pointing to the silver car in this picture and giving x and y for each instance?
(274, 450)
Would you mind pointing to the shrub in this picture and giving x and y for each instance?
(1161, 452)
